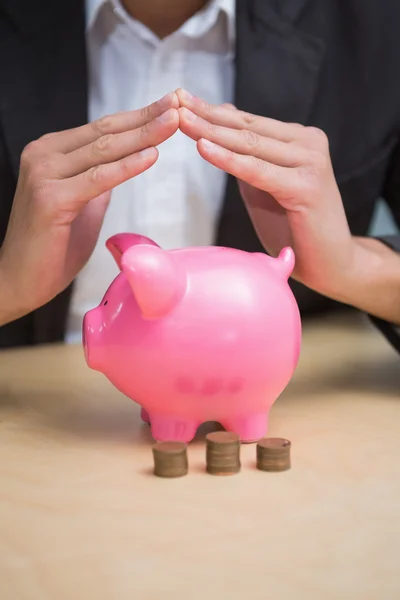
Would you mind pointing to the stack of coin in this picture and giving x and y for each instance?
(170, 459)
(222, 453)
(273, 454)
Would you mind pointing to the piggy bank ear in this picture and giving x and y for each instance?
(120, 243)
(284, 263)
(156, 280)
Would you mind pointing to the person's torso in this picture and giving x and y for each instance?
(316, 62)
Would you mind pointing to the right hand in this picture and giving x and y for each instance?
(62, 195)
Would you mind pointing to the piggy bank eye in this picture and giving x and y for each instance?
(105, 303)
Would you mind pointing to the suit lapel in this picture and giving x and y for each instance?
(278, 57)
(43, 64)
(278, 61)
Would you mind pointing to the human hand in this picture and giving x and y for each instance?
(288, 185)
(62, 194)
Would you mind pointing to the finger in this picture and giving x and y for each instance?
(114, 147)
(237, 119)
(71, 139)
(243, 141)
(258, 173)
(79, 190)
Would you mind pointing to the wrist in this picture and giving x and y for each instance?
(9, 307)
(372, 282)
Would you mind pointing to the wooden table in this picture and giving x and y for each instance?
(82, 517)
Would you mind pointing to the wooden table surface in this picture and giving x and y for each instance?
(83, 517)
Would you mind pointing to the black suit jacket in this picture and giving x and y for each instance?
(333, 64)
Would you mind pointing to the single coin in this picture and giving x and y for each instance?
(170, 459)
(273, 454)
(222, 453)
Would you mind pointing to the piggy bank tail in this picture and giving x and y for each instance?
(283, 265)
(286, 261)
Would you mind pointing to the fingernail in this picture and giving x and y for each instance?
(147, 153)
(186, 95)
(166, 116)
(210, 146)
(189, 115)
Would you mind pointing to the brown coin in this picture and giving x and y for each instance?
(222, 453)
(273, 454)
(170, 459)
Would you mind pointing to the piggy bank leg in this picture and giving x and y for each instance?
(171, 428)
(249, 428)
(145, 416)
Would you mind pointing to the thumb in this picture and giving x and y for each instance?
(84, 234)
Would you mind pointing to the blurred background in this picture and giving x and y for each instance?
(383, 223)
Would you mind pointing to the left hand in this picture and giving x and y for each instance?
(287, 182)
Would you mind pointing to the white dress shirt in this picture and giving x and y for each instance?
(176, 202)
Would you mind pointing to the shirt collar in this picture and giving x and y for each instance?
(229, 8)
(209, 15)
(213, 9)
(92, 8)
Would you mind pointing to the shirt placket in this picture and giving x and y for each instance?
(162, 206)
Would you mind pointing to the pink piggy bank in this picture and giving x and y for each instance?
(196, 334)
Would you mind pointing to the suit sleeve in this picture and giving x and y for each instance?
(391, 194)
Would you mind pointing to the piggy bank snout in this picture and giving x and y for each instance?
(91, 337)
